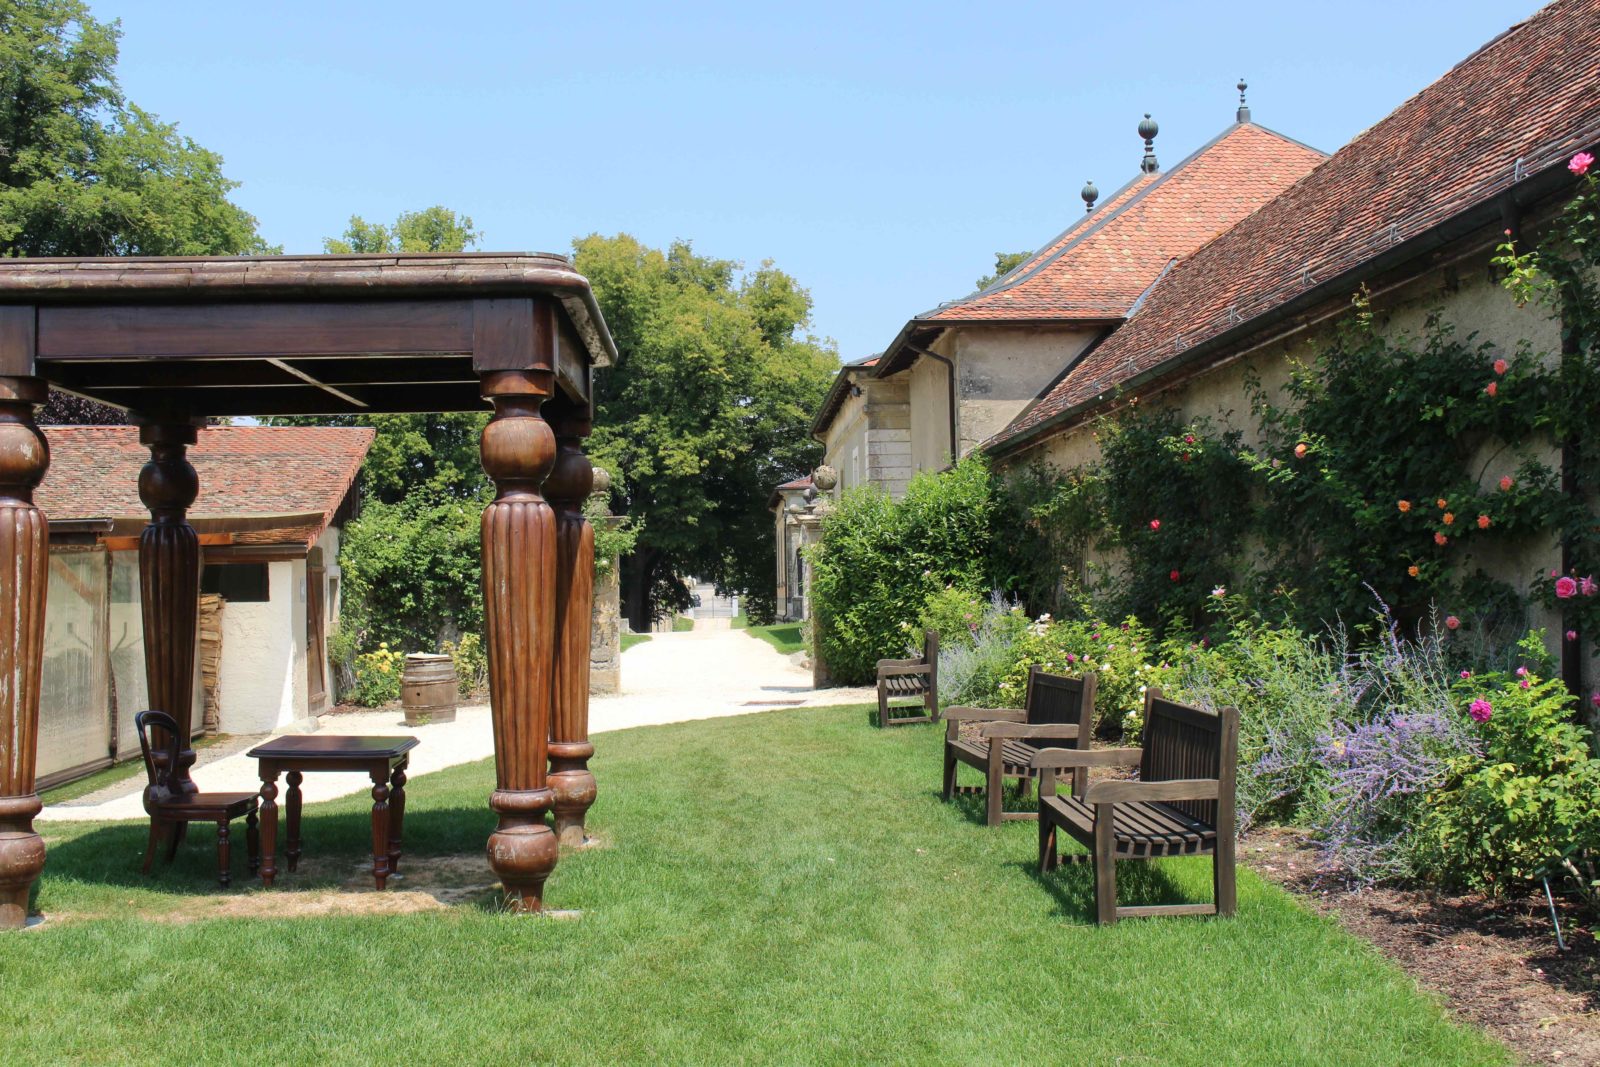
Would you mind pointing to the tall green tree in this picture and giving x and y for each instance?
(434, 229)
(708, 407)
(85, 172)
(1004, 263)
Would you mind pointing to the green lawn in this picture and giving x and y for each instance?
(629, 640)
(682, 624)
(782, 887)
(786, 637)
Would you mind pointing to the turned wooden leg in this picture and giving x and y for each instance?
(519, 564)
(252, 842)
(380, 828)
(224, 854)
(24, 559)
(291, 804)
(397, 813)
(567, 487)
(269, 826)
(169, 581)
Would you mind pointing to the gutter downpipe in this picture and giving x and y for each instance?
(950, 378)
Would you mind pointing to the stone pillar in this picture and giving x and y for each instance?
(169, 583)
(24, 561)
(519, 568)
(567, 488)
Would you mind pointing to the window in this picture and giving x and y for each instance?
(237, 582)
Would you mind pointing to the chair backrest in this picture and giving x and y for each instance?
(1183, 742)
(930, 656)
(1057, 700)
(158, 764)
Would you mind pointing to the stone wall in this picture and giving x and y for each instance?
(605, 633)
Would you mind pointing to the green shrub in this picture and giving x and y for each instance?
(471, 663)
(954, 614)
(879, 560)
(970, 672)
(1526, 808)
(1125, 658)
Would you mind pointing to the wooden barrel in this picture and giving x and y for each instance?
(428, 689)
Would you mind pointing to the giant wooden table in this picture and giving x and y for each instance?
(177, 340)
(383, 759)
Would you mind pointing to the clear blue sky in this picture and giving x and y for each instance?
(881, 153)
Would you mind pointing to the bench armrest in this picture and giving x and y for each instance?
(889, 670)
(1087, 757)
(1177, 789)
(961, 714)
(1062, 731)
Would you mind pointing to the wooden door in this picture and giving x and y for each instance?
(316, 642)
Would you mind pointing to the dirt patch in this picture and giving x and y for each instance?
(1495, 962)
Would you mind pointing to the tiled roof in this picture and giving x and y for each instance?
(243, 470)
(1098, 268)
(797, 483)
(1515, 109)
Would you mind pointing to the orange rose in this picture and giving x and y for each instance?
(1404, 506)
(1449, 518)
(1483, 522)
(1413, 570)
(1443, 503)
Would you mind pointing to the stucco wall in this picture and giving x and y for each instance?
(928, 383)
(1000, 370)
(845, 449)
(262, 675)
(1468, 296)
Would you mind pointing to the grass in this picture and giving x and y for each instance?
(682, 624)
(629, 640)
(786, 637)
(782, 887)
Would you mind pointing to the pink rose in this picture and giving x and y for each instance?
(1072, 657)
(1506, 483)
(1525, 683)
(1175, 576)
(1595, 699)
(1481, 710)
(1501, 366)
(1466, 674)
(1572, 635)
(1155, 524)
(1452, 623)
(1522, 672)
(1565, 587)
(1580, 163)
(1492, 388)
(1188, 438)
(1587, 586)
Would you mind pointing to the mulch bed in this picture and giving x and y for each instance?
(1494, 962)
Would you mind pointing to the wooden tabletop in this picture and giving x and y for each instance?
(332, 747)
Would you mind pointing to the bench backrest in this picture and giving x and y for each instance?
(930, 656)
(1182, 742)
(1056, 700)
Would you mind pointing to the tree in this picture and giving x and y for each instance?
(1004, 263)
(84, 172)
(434, 229)
(708, 407)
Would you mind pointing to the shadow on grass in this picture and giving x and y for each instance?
(970, 800)
(333, 845)
(1139, 882)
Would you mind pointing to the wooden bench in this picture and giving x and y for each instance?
(1181, 805)
(1056, 709)
(914, 679)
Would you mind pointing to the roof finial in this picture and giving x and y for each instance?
(1090, 194)
(1148, 130)
(1243, 113)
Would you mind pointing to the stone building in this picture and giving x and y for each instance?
(1413, 210)
(959, 374)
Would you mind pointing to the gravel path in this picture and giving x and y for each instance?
(674, 677)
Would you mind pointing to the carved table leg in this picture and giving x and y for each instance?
(269, 825)
(24, 457)
(567, 488)
(380, 827)
(518, 450)
(224, 854)
(291, 804)
(397, 812)
(169, 581)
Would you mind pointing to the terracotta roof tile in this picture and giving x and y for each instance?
(1517, 107)
(243, 470)
(1098, 268)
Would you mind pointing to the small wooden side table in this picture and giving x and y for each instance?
(384, 759)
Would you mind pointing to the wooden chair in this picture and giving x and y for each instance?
(171, 812)
(1056, 709)
(899, 679)
(1181, 805)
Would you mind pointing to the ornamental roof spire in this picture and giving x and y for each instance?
(1148, 130)
(1243, 114)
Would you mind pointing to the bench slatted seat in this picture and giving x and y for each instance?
(1056, 710)
(1181, 805)
(910, 679)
